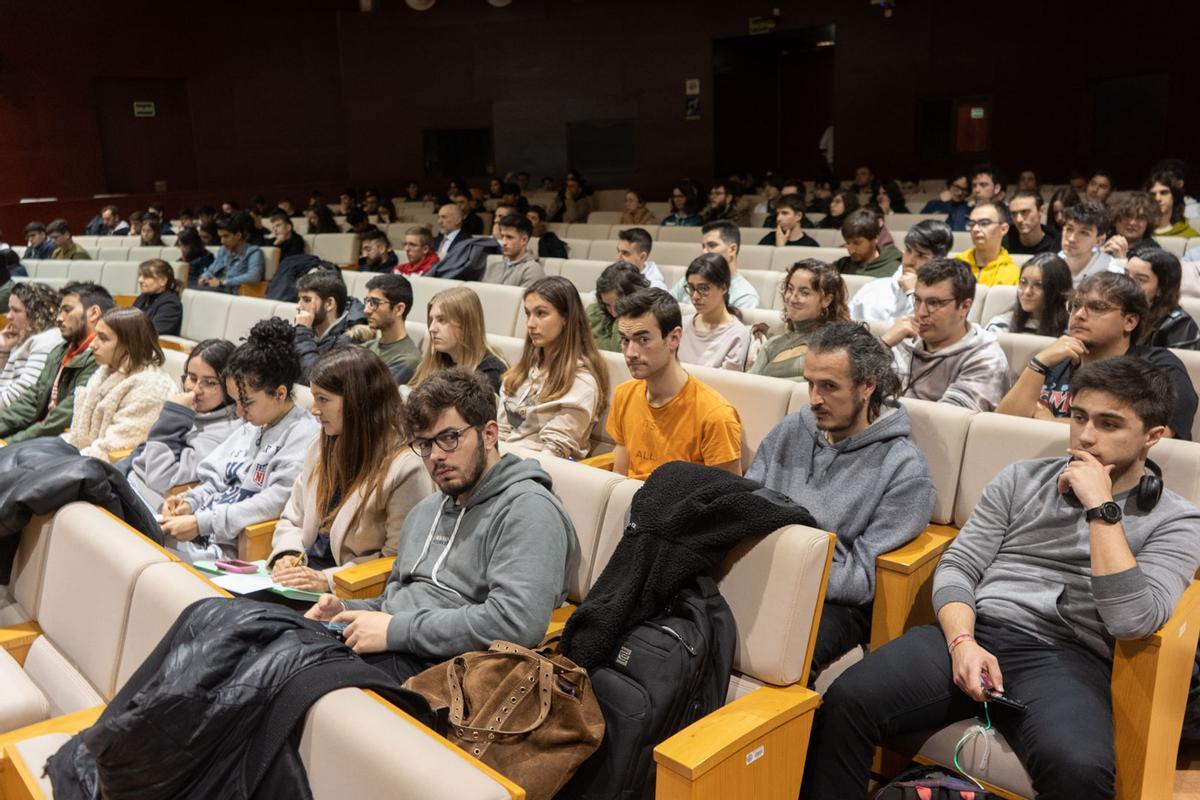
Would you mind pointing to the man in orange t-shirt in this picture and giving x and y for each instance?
(664, 414)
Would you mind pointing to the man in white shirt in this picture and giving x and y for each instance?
(889, 299)
(1086, 246)
(633, 247)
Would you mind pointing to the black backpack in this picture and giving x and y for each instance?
(291, 269)
(932, 783)
(669, 672)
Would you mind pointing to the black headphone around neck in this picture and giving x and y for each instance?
(1150, 487)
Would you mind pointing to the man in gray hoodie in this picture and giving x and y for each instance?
(849, 458)
(1060, 557)
(939, 355)
(484, 558)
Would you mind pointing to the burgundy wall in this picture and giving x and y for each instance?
(316, 93)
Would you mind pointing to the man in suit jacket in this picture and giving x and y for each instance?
(450, 221)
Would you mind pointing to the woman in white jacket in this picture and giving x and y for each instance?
(27, 339)
(360, 478)
(122, 399)
(551, 398)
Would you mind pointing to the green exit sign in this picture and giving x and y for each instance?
(143, 108)
(976, 112)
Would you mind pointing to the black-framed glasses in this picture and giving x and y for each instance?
(934, 304)
(982, 224)
(701, 289)
(447, 441)
(375, 302)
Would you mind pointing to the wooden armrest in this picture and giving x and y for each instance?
(1150, 683)
(67, 723)
(362, 581)
(16, 639)
(254, 289)
(559, 617)
(116, 455)
(181, 488)
(603, 461)
(904, 584)
(254, 544)
(171, 344)
(752, 747)
(124, 300)
(18, 780)
(348, 267)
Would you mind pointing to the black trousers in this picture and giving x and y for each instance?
(842, 628)
(1064, 739)
(400, 666)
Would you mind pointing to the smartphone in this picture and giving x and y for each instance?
(1000, 699)
(336, 628)
(237, 565)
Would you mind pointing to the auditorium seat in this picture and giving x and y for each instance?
(767, 284)
(140, 254)
(677, 254)
(1173, 244)
(754, 256)
(679, 233)
(784, 257)
(576, 247)
(583, 273)
(509, 347)
(120, 278)
(580, 230)
(111, 253)
(604, 218)
(606, 250)
(339, 248)
(999, 299)
(1019, 348)
(204, 316)
(826, 237)
(609, 199)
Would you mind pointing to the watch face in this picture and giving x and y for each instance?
(1110, 512)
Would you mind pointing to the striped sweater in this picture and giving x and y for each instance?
(25, 364)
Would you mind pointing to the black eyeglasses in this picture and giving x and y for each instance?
(447, 441)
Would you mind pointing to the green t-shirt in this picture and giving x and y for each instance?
(403, 352)
(791, 368)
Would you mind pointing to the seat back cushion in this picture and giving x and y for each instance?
(29, 568)
(940, 433)
(160, 595)
(91, 569)
(772, 583)
(996, 440)
(761, 402)
(612, 526)
(355, 746)
(65, 689)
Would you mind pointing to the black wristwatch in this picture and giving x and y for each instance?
(1108, 512)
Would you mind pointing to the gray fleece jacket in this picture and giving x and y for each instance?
(249, 478)
(179, 440)
(972, 372)
(873, 490)
(1024, 559)
(492, 569)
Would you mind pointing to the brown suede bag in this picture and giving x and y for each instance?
(529, 714)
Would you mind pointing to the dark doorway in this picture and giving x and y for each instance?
(146, 134)
(772, 100)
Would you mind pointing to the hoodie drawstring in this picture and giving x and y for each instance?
(445, 551)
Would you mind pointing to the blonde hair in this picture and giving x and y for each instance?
(462, 307)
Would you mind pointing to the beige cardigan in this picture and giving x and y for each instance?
(378, 531)
(115, 410)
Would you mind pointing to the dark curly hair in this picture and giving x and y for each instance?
(41, 305)
(267, 359)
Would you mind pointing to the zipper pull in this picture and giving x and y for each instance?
(682, 641)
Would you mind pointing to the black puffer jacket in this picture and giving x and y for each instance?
(40, 476)
(682, 523)
(213, 711)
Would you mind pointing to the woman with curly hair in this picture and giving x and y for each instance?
(813, 295)
(249, 477)
(28, 338)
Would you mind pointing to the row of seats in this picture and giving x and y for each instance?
(102, 597)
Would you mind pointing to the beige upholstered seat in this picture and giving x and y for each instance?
(339, 248)
(243, 313)
(999, 299)
(940, 431)
(676, 233)
(605, 250)
(583, 274)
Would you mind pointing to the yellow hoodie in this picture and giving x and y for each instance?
(1000, 271)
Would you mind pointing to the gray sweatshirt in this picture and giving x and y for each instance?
(1024, 559)
(249, 478)
(177, 443)
(873, 490)
(972, 372)
(493, 569)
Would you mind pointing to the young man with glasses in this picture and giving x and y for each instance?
(419, 255)
(1085, 245)
(1106, 317)
(986, 187)
(1061, 558)
(951, 198)
(725, 204)
(1027, 235)
(990, 263)
(389, 297)
(484, 558)
(938, 354)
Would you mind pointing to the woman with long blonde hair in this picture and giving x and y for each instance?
(457, 338)
(360, 479)
(551, 398)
